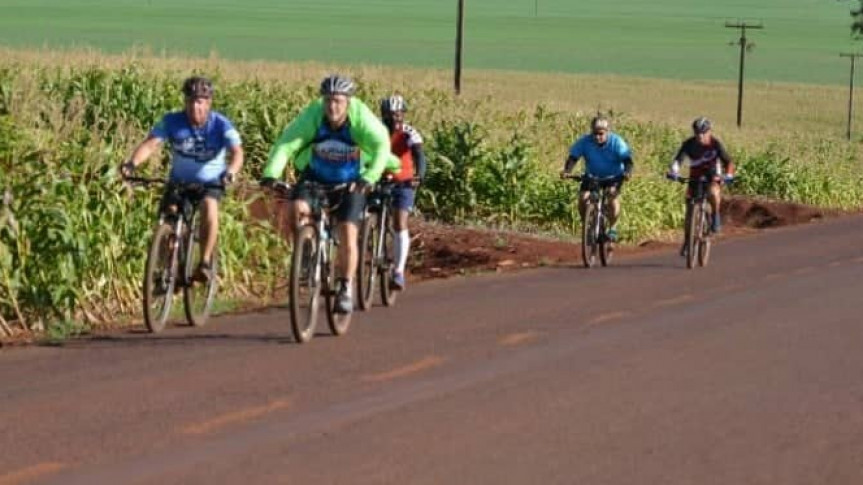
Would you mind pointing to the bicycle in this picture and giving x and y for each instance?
(377, 239)
(313, 264)
(171, 261)
(697, 239)
(594, 229)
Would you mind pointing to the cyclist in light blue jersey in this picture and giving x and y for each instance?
(606, 155)
(205, 149)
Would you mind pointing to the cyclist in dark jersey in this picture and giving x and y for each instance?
(407, 145)
(707, 157)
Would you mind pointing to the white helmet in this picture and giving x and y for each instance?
(393, 104)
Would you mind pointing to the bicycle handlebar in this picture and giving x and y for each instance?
(579, 178)
(144, 181)
(703, 178)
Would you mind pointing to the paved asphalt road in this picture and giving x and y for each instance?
(748, 371)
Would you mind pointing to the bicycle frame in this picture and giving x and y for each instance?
(175, 229)
(374, 257)
(315, 270)
(595, 238)
(696, 225)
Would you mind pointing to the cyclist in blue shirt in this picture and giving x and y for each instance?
(606, 155)
(201, 140)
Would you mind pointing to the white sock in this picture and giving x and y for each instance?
(402, 246)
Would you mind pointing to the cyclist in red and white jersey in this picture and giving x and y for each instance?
(407, 145)
(707, 157)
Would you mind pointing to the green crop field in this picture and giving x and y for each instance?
(662, 38)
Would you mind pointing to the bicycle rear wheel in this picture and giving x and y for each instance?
(367, 274)
(338, 322)
(692, 215)
(704, 236)
(388, 289)
(305, 284)
(589, 246)
(160, 278)
(198, 297)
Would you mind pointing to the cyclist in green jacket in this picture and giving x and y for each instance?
(336, 139)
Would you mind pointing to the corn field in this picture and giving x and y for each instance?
(73, 239)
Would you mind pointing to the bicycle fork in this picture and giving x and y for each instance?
(380, 255)
(597, 227)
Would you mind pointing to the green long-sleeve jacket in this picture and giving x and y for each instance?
(366, 129)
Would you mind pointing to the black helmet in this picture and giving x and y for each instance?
(701, 125)
(336, 84)
(393, 104)
(197, 87)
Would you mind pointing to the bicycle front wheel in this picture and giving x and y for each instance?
(305, 284)
(160, 277)
(198, 297)
(704, 236)
(589, 243)
(388, 254)
(338, 322)
(693, 214)
(367, 274)
(606, 246)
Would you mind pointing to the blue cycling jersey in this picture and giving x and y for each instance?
(335, 155)
(197, 154)
(601, 160)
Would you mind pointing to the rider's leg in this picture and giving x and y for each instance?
(401, 246)
(686, 215)
(583, 197)
(614, 203)
(349, 214)
(298, 213)
(715, 200)
(403, 201)
(346, 264)
(209, 228)
(614, 213)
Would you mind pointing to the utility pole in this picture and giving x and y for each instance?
(745, 46)
(852, 56)
(459, 44)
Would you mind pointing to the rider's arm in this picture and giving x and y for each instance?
(677, 161)
(296, 137)
(625, 155)
(415, 142)
(627, 165)
(570, 163)
(372, 137)
(153, 143)
(143, 151)
(727, 162)
(576, 151)
(394, 164)
(419, 158)
(237, 157)
(235, 147)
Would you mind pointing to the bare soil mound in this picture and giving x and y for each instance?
(761, 214)
(441, 251)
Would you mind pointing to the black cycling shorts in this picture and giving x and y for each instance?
(173, 197)
(349, 206)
